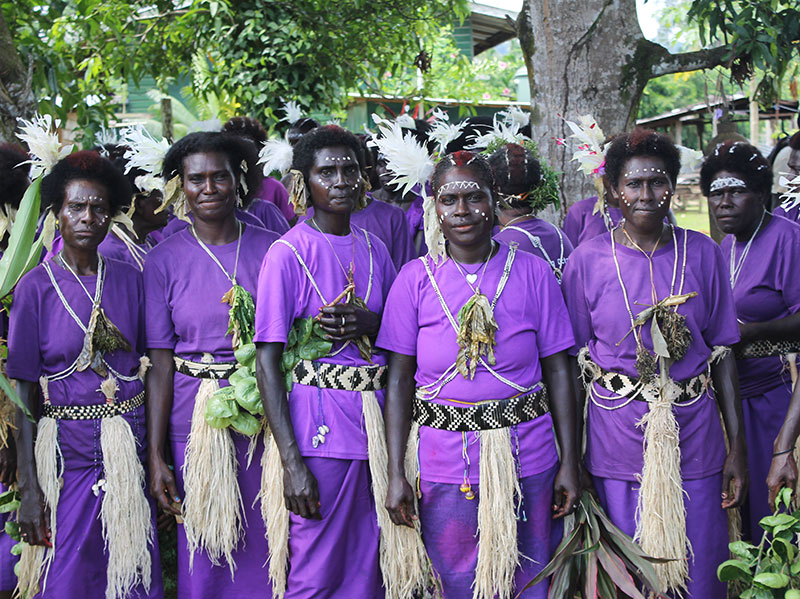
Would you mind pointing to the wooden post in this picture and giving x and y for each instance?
(679, 132)
(753, 112)
(166, 119)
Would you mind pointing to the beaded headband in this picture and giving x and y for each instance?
(725, 182)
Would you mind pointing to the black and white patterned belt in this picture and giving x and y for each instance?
(93, 412)
(338, 376)
(631, 386)
(204, 370)
(764, 348)
(486, 415)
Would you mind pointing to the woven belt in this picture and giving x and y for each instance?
(337, 376)
(487, 415)
(630, 386)
(764, 348)
(93, 412)
(202, 370)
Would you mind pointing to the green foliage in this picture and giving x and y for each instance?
(596, 559)
(760, 34)
(771, 569)
(238, 405)
(306, 341)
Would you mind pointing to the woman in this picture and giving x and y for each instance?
(667, 496)
(790, 208)
(221, 545)
(340, 274)
(271, 193)
(519, 355)
(75, 340)
(519, 174)
(760, 249)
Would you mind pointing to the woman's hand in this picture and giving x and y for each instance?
(400, 501)
(8, 462)
(566, 491)
(735, 479)
(300, 490)
(162, 485)
(342, 322)
(782, 473)
(32, 520)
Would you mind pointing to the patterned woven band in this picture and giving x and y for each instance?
(338, 376)
(94, 412)
(764, 348)
(201, 370)
(629, 386)
(487, 415)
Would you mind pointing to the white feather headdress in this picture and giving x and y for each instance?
(514, 115)
(502, 133)
(791, 198)
(276, 155)
(292, 110)
(145, 153)
(443, 132)
(406, 157)
(41, 136)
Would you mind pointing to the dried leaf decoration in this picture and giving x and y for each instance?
(476, 330)
(102, 337)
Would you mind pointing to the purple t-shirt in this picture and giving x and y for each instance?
(388, 223)
(768, 288)
(274, 192)
(286, 294)
(269, 214)
(176, 224)
(600, 320)
(540, 238)
(532, 323)
(789, 210)
(183, 291)
(44, 339)
(580, 224)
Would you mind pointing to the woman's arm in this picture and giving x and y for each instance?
(300, 489)
(782, 329)
(558, 377)
(726, 387)
(397, 417)
(783, 470)
(33, 524)
(159, 385)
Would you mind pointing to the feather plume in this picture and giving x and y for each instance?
(501, 132)
(443, 132)
(214, 125)
(406, 122)
(791, 198)
(292, 110)
(276, 155)
(516, 116)
(590, 153)
(690, 159)
(144, 151)
(407, 158)
(149, 183)
(41, 136)
(107, 137)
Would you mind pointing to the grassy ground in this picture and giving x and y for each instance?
(691, 219)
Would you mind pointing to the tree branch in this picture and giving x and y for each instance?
(667, 63)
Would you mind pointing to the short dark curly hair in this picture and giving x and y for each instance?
(328, 136)
(299, 128)
(234, 147)
(794, 141)
(740, 158)
(516, 169)
(641, 142)
(246, 126)
(474, 161)
(14, 174)
(89, 166)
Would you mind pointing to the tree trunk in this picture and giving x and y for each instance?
(589, 57)
(16, 97)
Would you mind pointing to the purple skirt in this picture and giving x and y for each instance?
(251, 578)
(706, 525)
(763, 418)
(79, 567)
(336, 557)
(450, 522)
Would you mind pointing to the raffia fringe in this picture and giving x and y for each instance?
(404, 562)
(661, 512)
(275, 515)
(498, 554)
(35, 561)
(434, 236)
(212, 507)
(124, 512)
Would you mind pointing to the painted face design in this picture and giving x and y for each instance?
(644, 190)
(85, 214)
(464, 206)
(455, 186)
(334, 179)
